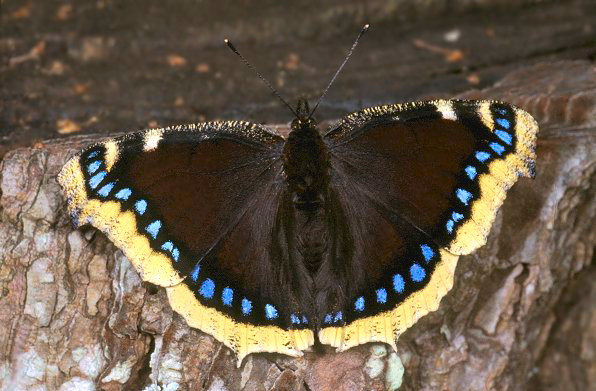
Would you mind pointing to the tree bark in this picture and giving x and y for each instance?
(76, 316)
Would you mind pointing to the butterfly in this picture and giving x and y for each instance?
(273, 244)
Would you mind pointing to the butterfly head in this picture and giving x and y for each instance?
(303, 116)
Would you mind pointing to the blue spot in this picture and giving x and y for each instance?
(123, 194)
(227, 295)
(92, 167)
(457, 216)
(246, 306)
(482, 156)
(207, 288)
(503, 122)
(167, 246)
(153, 228)
(338, 317)
(294, 319)
(328, 319)
(359, 304)
(195, 272)
(106, 189)
(398, 283)
(498, 148)
(503, 135)
(471, 172)
(270, 311)
(417, 272)
(463, 195)
(93, 154)
(449, 225)
(381, 296)
(175, 254)
(141, 206)
(427, 252)
(96, 179)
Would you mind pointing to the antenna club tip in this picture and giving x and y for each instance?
(366, 26)
(231, 46)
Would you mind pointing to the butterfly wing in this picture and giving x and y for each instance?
(193, 207)
(428, 177)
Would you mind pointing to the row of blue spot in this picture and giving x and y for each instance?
(455, 217)
(97, 177)
(417, 274)
(465, 196)
(504, 123)
(333, 318)
(207, 290)
(296, 319)
(124, 194)
(169, 246)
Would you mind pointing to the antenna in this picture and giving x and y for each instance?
(248, 64)
(340, 68)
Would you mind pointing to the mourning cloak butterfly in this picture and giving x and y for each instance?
(265, 242)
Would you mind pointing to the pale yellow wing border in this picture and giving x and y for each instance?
(501, 175)
(388, 326)
(242, 338)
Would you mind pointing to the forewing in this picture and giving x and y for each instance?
(180, 202)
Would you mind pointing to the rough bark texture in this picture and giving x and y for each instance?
(76, 316)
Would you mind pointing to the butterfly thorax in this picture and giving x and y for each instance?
(306, 165)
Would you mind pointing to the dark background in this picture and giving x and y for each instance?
(102, 66)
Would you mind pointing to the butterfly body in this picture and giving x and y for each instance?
(306, 165)
(265, 242)
(306, 233)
